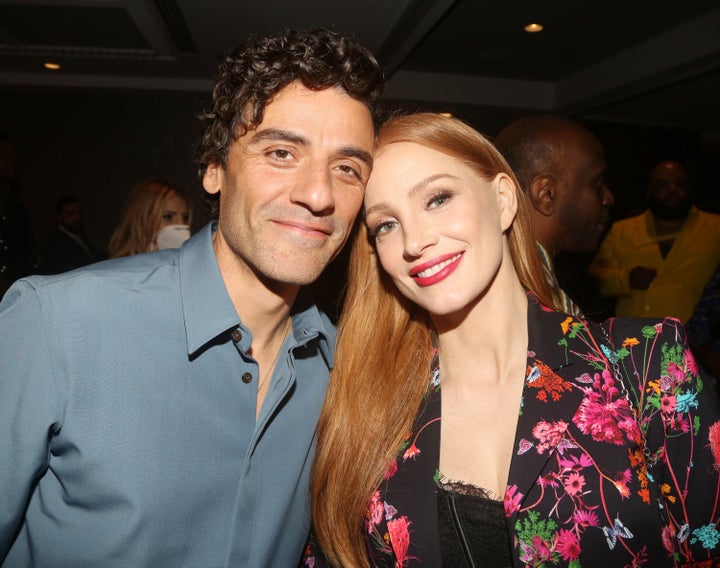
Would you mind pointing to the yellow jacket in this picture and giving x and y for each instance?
(681, 276)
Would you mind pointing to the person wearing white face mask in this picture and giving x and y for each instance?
(156, 216)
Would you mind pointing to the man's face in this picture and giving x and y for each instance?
(71, 218)
(584, 200)
(293, 186)
(669, 195)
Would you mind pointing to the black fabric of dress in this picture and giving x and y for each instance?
(473, 532)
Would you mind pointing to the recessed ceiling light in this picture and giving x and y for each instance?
(533, 28)
(53, 66)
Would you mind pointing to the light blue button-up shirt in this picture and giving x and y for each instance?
(127, 434)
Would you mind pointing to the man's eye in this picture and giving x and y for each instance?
(281, 154)
(351, 171)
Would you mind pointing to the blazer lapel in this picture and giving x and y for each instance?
(549, 402)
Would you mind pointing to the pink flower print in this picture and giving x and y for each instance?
(412, 452)
(585, 519)
(567, 545)
(677, 374)
(668, 536)
(391, 469)
(390, 511)
(549, 434)
(668, 403)
(658, 327)
(542, 550)
(714, 439)
(621, 482)
(400, 539)
(605, 417)
(512, 500)
(574, 483)
(374, 512)
(547, 480)
(574, 462)
(690, 363)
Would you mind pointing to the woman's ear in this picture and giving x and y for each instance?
(506, 192)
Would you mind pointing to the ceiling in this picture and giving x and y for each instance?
(645, 62)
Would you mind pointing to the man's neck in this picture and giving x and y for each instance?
(666, 226)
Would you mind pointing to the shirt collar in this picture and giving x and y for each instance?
(209, 311)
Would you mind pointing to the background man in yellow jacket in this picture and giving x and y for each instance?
(657, 263)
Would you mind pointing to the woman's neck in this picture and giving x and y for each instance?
(490, 342)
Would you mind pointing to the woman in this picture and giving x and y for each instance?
(156, 216)
(552, 442)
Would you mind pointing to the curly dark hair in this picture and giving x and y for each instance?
(250, 75)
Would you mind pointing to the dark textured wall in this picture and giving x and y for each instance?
(97, 145)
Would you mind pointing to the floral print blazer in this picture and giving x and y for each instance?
(605, 472)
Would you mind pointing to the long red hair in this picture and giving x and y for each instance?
(384, 351)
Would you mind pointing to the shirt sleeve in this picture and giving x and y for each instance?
(612, 279)
(681, 420)
(30, 405)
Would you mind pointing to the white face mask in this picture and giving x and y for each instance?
(171, 236)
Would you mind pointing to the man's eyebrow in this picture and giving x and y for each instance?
(278, 134)
(354, 152)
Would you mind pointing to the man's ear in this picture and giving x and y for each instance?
(213, 177)
(542, 194)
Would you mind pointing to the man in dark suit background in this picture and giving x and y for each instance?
(67, 247)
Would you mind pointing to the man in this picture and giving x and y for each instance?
(67, 248)
(18, 256)
(657, 263)
(560, 166)
(159, 410)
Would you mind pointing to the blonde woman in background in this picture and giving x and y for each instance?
(156, 215)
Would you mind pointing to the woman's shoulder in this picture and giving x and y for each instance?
(669, 328)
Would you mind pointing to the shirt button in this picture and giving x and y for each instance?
(246, 378)
(236, 335)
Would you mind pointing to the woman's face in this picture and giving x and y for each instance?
(437, 225)
(175, 211)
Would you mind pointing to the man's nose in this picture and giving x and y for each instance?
(314, 189)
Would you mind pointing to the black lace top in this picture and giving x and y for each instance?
(473, 532)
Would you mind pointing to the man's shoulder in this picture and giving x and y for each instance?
(108, 276)
(709, 217)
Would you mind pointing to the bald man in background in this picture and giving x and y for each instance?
(560, 166)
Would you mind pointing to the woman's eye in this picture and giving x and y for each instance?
(439, 199)
(383, 227)
(168, 216)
